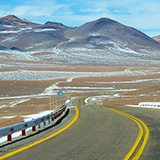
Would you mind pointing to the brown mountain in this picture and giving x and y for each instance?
(157, 38)
(113, 31)
(103, 41)
(110, 40)
(28, 36)
(12, 19)
(53, 25)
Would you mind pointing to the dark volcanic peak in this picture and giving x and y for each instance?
(104, 22)
(16, 49)
(103, 41)
(106, 27)
(52, 25)
(56, 25)
(114, 31)
(100, 26)
(12, 19)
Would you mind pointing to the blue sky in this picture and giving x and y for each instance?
(143, 15)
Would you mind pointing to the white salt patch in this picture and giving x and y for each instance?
(2, 106)
(7, 117)
(69, 79)
(26, 118)
(67, 101)
(34, 116)
(14, 103)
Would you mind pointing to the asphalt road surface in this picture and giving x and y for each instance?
(151, 117)
(99, 134)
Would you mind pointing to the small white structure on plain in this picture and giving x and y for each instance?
(149, 104)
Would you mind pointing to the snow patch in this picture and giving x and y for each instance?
(45, 30)
(26, 118)
(135, 81)
(14, 103)
(7, 32)
(67, 101)
(69, 79)
(7, 117)
(2, 106)
(46, 75)
(97, 98)
(34, 116)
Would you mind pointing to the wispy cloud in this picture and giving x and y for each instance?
(38, 8)
(35, 9)
(143, 15)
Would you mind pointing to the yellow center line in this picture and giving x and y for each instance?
(138, 154)
(42, 140)
(140, 134)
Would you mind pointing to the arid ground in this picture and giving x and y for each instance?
(120, 85)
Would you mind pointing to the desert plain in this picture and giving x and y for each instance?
(27, 88)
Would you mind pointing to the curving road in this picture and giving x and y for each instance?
(98, 134)
(151, 117)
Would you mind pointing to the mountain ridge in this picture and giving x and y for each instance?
(102, 41)
(10, 19)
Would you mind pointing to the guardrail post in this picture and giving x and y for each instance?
(49, 122)
(9, 137)
(8, 131)
(33, 128)
(57, 116)
(39, 125)
(23, 132)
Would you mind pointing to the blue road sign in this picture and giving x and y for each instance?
(60, 94)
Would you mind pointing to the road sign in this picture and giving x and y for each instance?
(60, 94)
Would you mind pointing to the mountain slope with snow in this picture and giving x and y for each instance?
(113, 39)
(103, 41)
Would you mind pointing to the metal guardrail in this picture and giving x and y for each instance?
(22, 126)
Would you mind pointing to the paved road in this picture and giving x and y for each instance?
(99, 134)
(151, 117)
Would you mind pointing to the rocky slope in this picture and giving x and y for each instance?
(103, 41)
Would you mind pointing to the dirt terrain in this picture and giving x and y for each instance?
(123, 85)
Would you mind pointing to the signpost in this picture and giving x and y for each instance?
(51, 102)
(60, 95)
